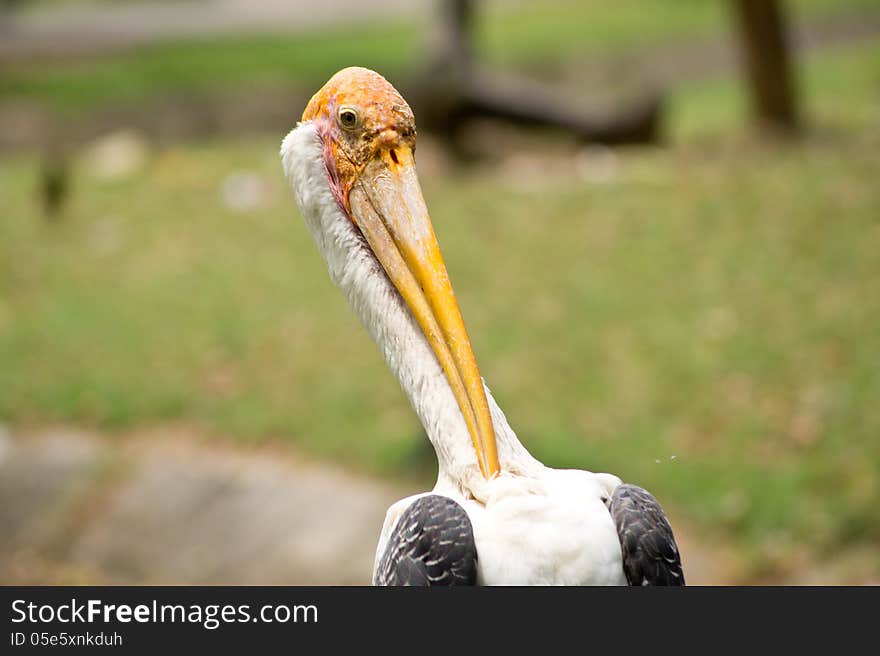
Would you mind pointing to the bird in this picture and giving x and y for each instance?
(496, 515)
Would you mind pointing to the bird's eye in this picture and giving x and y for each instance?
(348, 118)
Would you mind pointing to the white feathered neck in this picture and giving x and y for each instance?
(355, 270)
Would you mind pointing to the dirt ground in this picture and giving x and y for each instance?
(167, 506)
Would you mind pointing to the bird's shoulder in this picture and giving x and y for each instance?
(650, 553)
(431, 543)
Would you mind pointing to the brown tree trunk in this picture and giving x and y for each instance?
(456, 30)
(767, 58)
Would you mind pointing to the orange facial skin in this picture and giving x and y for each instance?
(384, 122)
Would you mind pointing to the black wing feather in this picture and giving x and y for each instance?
(432, 544)
(650, 555)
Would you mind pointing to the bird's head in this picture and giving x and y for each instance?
(362, 119)
(368, 134)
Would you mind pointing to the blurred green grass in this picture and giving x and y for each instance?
(703, 321)
(551, 33)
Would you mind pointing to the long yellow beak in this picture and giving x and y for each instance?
(387, 205)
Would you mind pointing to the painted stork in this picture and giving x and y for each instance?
(496, 515)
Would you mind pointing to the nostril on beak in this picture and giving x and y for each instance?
(393, 154)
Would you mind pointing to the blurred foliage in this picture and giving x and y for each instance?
(549, 32)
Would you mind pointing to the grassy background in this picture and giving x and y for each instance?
(545, 35)
(700, 319)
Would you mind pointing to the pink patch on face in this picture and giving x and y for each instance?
(324, 128)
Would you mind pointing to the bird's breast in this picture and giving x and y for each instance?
(562, 535)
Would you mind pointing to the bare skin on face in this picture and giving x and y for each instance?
(359, 114)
